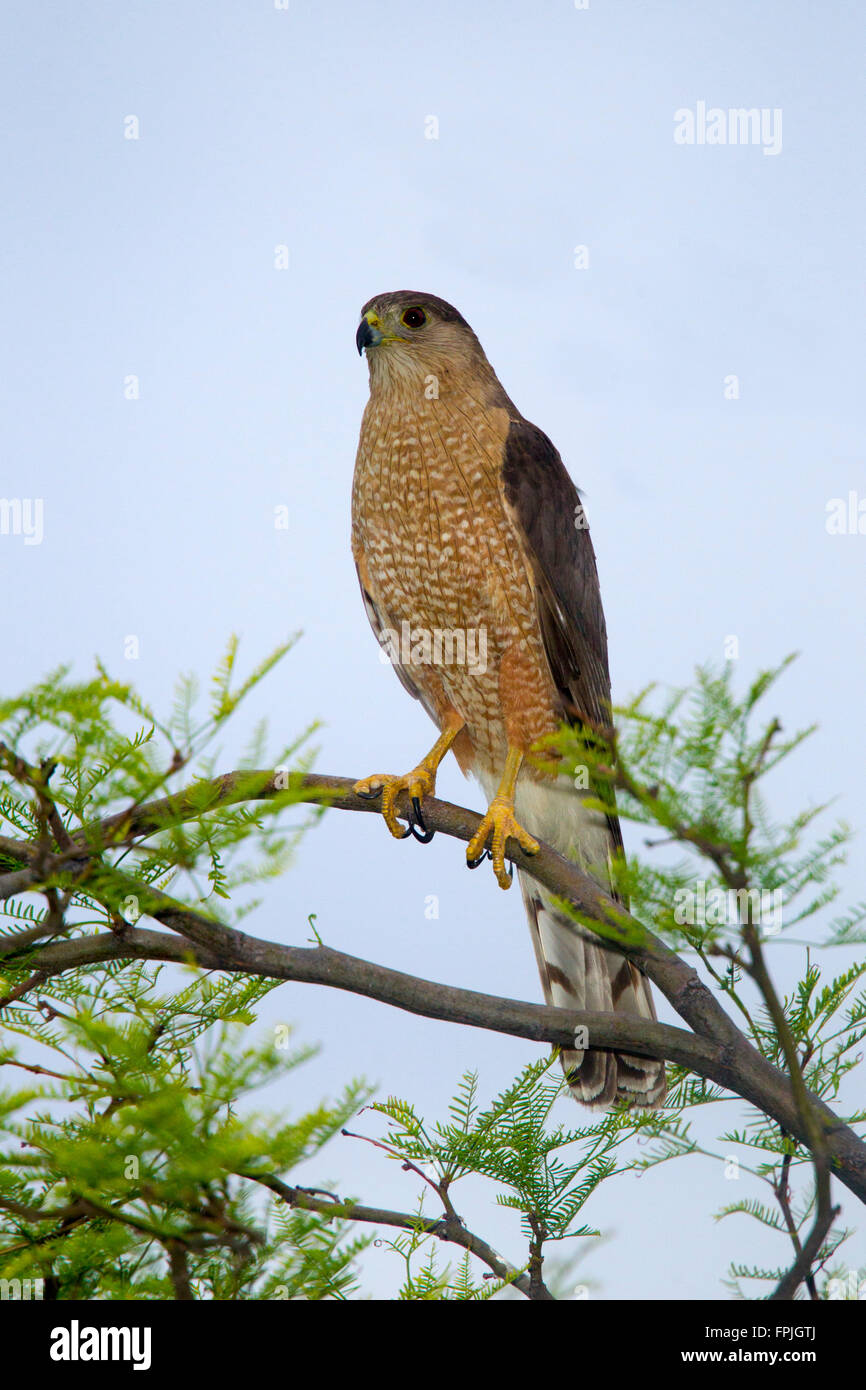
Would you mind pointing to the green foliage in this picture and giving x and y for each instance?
(61, 741)
(132, 1163)
(539, 1167)
(137, 1168)
(695, 769)
(515, 1144)
(142, 1144)
(693, 766)
(426, 1279)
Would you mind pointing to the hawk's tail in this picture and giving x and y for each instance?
(577, 970)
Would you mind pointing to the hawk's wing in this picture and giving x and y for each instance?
(546, 509)
(577, 970)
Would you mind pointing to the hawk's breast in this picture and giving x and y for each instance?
(443, 556)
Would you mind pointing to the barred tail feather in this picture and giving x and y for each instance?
(579, 973)
(577, 970)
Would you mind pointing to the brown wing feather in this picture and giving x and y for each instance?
(576, 970)
(546, 508)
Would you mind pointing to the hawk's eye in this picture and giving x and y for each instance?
(414, 317)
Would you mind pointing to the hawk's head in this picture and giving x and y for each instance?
(409, 334)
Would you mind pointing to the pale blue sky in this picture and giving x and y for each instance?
(306, 128)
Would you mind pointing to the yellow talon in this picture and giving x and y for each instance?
(501, 820)
(420, 782)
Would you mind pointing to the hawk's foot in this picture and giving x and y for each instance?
(420, 782)
(501, 822)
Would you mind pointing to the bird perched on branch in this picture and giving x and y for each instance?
(479, 577)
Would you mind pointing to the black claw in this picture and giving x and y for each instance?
(371, 796)
(511, 870)
(473, 863)
(406, 832)
(422, 838)
(530, 853)
(418, 828)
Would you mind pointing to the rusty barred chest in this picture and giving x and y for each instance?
(441, 559)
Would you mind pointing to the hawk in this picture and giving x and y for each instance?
(468, 531)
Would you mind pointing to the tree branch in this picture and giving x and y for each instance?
(716, 1049)
(447, 1228)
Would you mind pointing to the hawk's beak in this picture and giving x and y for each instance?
(369, 333)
